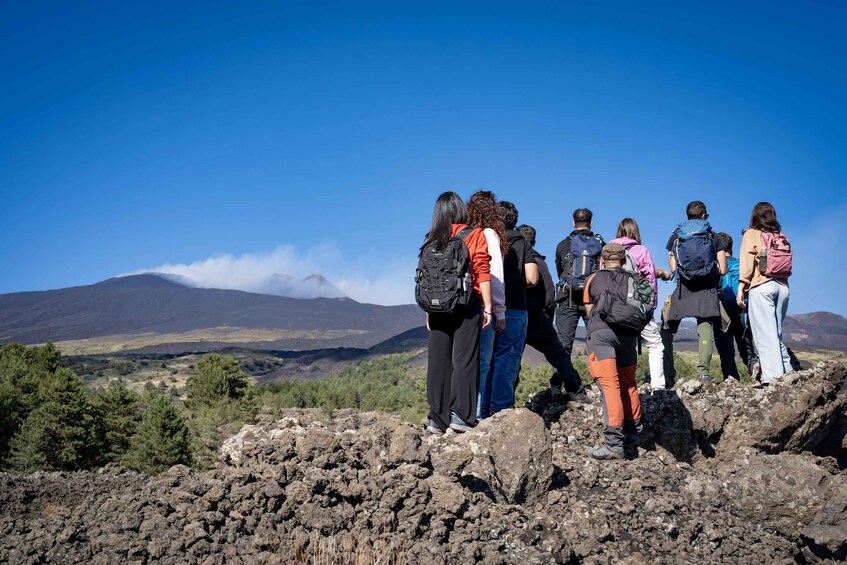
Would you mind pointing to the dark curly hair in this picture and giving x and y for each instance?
(482, 213)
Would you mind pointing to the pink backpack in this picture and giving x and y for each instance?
(775, 256)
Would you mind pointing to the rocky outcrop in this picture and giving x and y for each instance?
(796, 413)
(725, 473)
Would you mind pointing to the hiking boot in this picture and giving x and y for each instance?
(458, 425)
(434, 428)
(760, 386)
(580, 396)
(630, 452)
(705, 379)
(606, 453)
(556, 392)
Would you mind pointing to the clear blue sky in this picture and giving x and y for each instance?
(136, 134)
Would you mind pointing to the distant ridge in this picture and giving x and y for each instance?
(147, 280)
(313, 286)
(817, 329)
(159, 305)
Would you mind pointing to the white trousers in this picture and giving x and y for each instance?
(651, 338)
(766, 311)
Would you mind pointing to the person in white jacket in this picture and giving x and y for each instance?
(482, 213)
(629, 237)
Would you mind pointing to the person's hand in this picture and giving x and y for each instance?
(740, 301)
(500, 325)
(486, 320)
(663, 274)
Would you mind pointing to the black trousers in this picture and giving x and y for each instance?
(724, 341)
(568, 315)
(452, 375)
(541, 335)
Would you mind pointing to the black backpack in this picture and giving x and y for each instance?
(627, 303)
(443, 278)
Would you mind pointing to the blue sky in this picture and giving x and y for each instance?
(136, 135)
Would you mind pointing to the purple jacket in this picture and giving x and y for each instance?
(643, 262)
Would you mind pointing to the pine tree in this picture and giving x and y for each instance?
(24, 373)
(118, 412)
(162, 439)
(216, 378)
(30, 444)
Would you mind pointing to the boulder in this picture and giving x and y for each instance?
(826, 535)
(513, 455)
(785, 490)
(795, 413)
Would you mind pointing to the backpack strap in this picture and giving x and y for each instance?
(461, 235)
(464, 232)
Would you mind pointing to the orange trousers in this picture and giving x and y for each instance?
(617, 384)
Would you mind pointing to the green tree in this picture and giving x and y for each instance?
(29, 445)
(216, 378)
(118, 413)
(60, 428)
(162, 439)
(24, 371)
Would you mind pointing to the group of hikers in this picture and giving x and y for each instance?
(487, 293)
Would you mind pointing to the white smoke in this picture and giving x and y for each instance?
(318, 272)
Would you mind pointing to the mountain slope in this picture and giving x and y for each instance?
(151, 303)
(818, 329)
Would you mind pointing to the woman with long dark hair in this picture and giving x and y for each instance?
(764, 268)
(452, 376)
(482, 213)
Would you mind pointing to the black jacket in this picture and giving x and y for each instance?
(564, 249)
(520, 253)
(542, 295)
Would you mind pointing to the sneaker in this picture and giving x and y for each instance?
(580, 396)
(458, 425)
(556, 392)
(605, 453)
(434, 428)
(705, 379)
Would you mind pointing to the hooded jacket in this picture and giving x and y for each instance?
(643, 262)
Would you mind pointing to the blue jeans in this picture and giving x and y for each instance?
(766, 310)
(499, 384)
(486, 354)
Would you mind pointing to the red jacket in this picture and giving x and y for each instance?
(478, 251)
